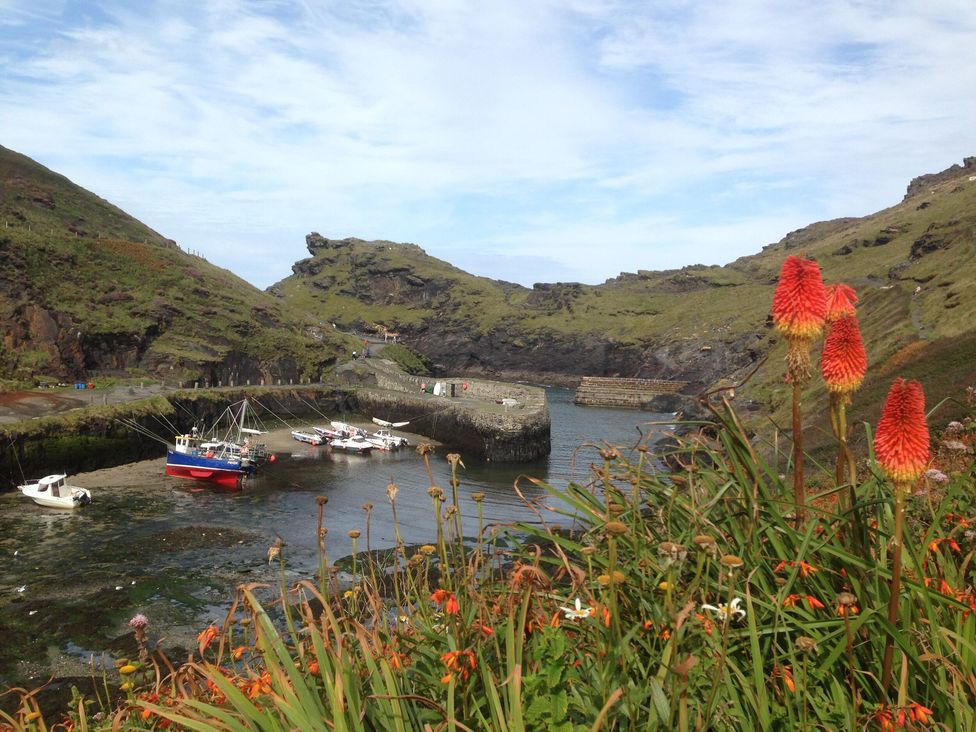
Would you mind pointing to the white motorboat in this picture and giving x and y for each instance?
(356, 444)
(53, 491)
(311, 438)
(386, 440)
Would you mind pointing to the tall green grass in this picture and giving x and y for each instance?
(701, 606)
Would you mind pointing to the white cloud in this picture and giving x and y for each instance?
(527, 130)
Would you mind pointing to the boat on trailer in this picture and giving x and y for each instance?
(53, 491)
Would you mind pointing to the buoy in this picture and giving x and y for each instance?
(272, 458)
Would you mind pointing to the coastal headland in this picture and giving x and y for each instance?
(488, 420)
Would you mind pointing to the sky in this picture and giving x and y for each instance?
(523, 140)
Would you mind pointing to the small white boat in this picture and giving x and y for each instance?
(53, 491)
(309, 437)
(328, 434)
(347, 430)
(386, 440)
(384, 423)
(357, 444)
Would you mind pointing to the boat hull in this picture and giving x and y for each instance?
(213, 470)
(81, 498)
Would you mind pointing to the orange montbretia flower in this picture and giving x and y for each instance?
(901, 442)
(844, 360)
(840, 301)
(800, 300)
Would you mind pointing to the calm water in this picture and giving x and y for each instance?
(174, 549)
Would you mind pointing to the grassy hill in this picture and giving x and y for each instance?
(86, 289)
(703, 324)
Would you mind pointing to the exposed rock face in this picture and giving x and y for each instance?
(923, 183)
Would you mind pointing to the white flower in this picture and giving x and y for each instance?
(732, 611)
(578, 612)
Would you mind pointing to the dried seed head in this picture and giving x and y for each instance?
(321, 500)
(435, 492)
(367, 507)
(478, 497)
(391, 491)
(427, 549)
(450, 511)
(588, 551)
(354, 533)
(425, 448)
(610, 453)
(846, 599)
(731, 561)
(806, 644)
(454, 459)
(615, 528)
(669, 552)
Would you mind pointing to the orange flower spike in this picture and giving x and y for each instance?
(843, 361)
(451, 608)
(840, 301)
(206, 637)
(901, 442)
(800, 300)
(918, 713)
(814, 603)
(785, 673)
(439, 596)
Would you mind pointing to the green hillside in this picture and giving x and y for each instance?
(700, 323)
(86, 289)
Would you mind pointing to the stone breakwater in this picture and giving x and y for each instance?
(472, 423)
(492, 420)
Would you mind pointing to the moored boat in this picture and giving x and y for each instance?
(386, 440)
(355, 444)
(311, 438)
(327, 433)
(53, 491)
(224, 460)
(216, 461)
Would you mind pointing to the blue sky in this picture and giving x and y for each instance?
(525, 140)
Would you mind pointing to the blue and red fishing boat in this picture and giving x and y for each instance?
(226, 460)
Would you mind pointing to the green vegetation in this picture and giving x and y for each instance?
(406, 358)
(676, 602)
(82, 282)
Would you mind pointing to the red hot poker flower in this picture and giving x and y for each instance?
(901, 442)
(840, 301)
(844, 360)
(800, 300)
